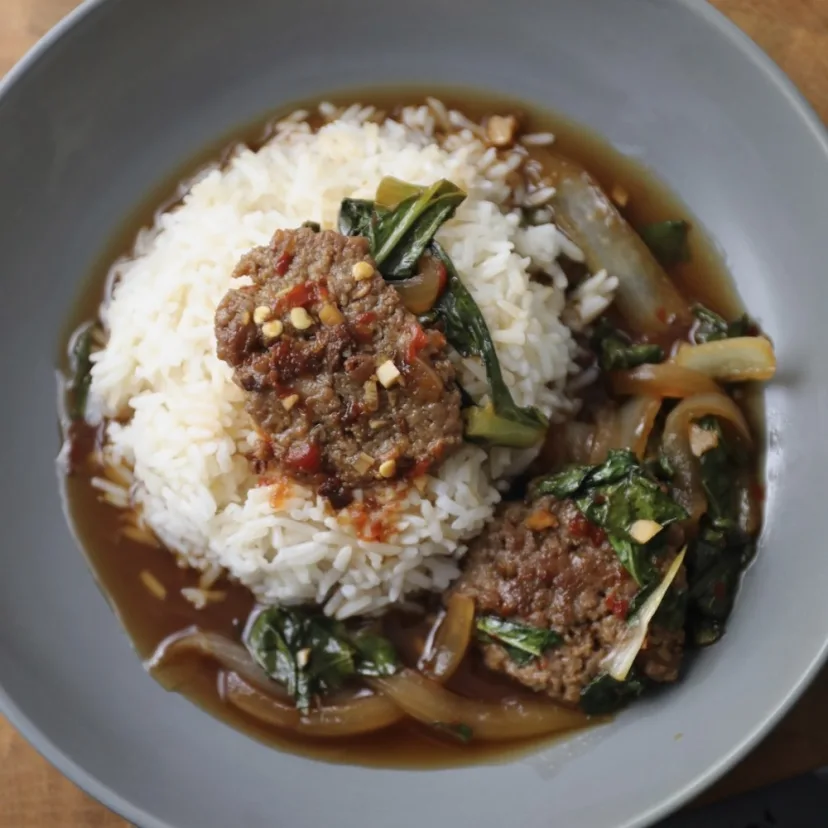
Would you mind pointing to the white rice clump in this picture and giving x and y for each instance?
(185, 437)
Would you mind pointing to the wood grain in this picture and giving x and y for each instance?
(795, 34)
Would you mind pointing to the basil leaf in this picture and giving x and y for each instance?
(375, 655)
(355, 217)
(667, 241)
(613, 496)
(523, 642)
(617, 352)
(505, 423)
(605, 695)
(402, 235)
(712, 327)
(311, 654)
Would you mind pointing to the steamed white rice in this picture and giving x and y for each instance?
(183, 435)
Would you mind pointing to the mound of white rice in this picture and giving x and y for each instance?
(183, 433)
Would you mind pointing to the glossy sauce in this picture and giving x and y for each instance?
(118, 562)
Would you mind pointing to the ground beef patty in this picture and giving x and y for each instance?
(345, 384)
(547, 566)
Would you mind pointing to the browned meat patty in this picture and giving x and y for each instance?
(545, 565)
(314, 341)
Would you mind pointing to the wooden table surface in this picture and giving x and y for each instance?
(795, 34)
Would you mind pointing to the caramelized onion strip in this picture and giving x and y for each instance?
(362, 714)
(633, 424)
(667, 380)
(451, 639)
(427, 702)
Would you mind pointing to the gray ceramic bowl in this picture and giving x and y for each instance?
(120, 96)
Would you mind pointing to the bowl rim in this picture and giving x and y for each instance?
(124, 808)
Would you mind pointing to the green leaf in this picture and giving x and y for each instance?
(604, 695)
(614, 495)
(461, 732)
(355, 217)
(81, 365)
(617, 352)
(712, 327)
(668, 241)
(375, 655)
(311, 654)
(404, 232)
(523, 642)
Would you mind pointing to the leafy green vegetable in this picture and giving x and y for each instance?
(522, 642)
(668, 241)
(616, 350)
(81, 365)
(461, 732)
(355, 217)
(312, 654)
(722, 549)
(614, 495)
(400, 232)
(605, 695)
(712, 327)
(466, 330)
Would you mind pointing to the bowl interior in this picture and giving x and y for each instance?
(133, 89)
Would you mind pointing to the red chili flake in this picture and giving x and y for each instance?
(298, 296)
(617, 606)
(580, 527)
(661, 315)
(283, 263)
(304, 457)
(719, 591)
(421, 467)
(418, 341)
(363, 327)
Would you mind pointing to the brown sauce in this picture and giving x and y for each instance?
(118, 562)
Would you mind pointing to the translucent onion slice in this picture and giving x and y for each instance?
(451, 639)
(421, 291)
(633, 424)
(428, 702)
(362, 714)
(231, 656)
(687, 486)
(619, 660)
(666, 380)
(741, 359)
(603, 437)
(645, 297)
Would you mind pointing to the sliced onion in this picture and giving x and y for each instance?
(420, 292)
(741, 359)
(428, 702)
(675, 445)
(646, 298)
(633, 424)
(750, 509)
(619, 660)
(666, 380)
(451, 639)
(231, 656)
(362, 714)
(603, 438)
